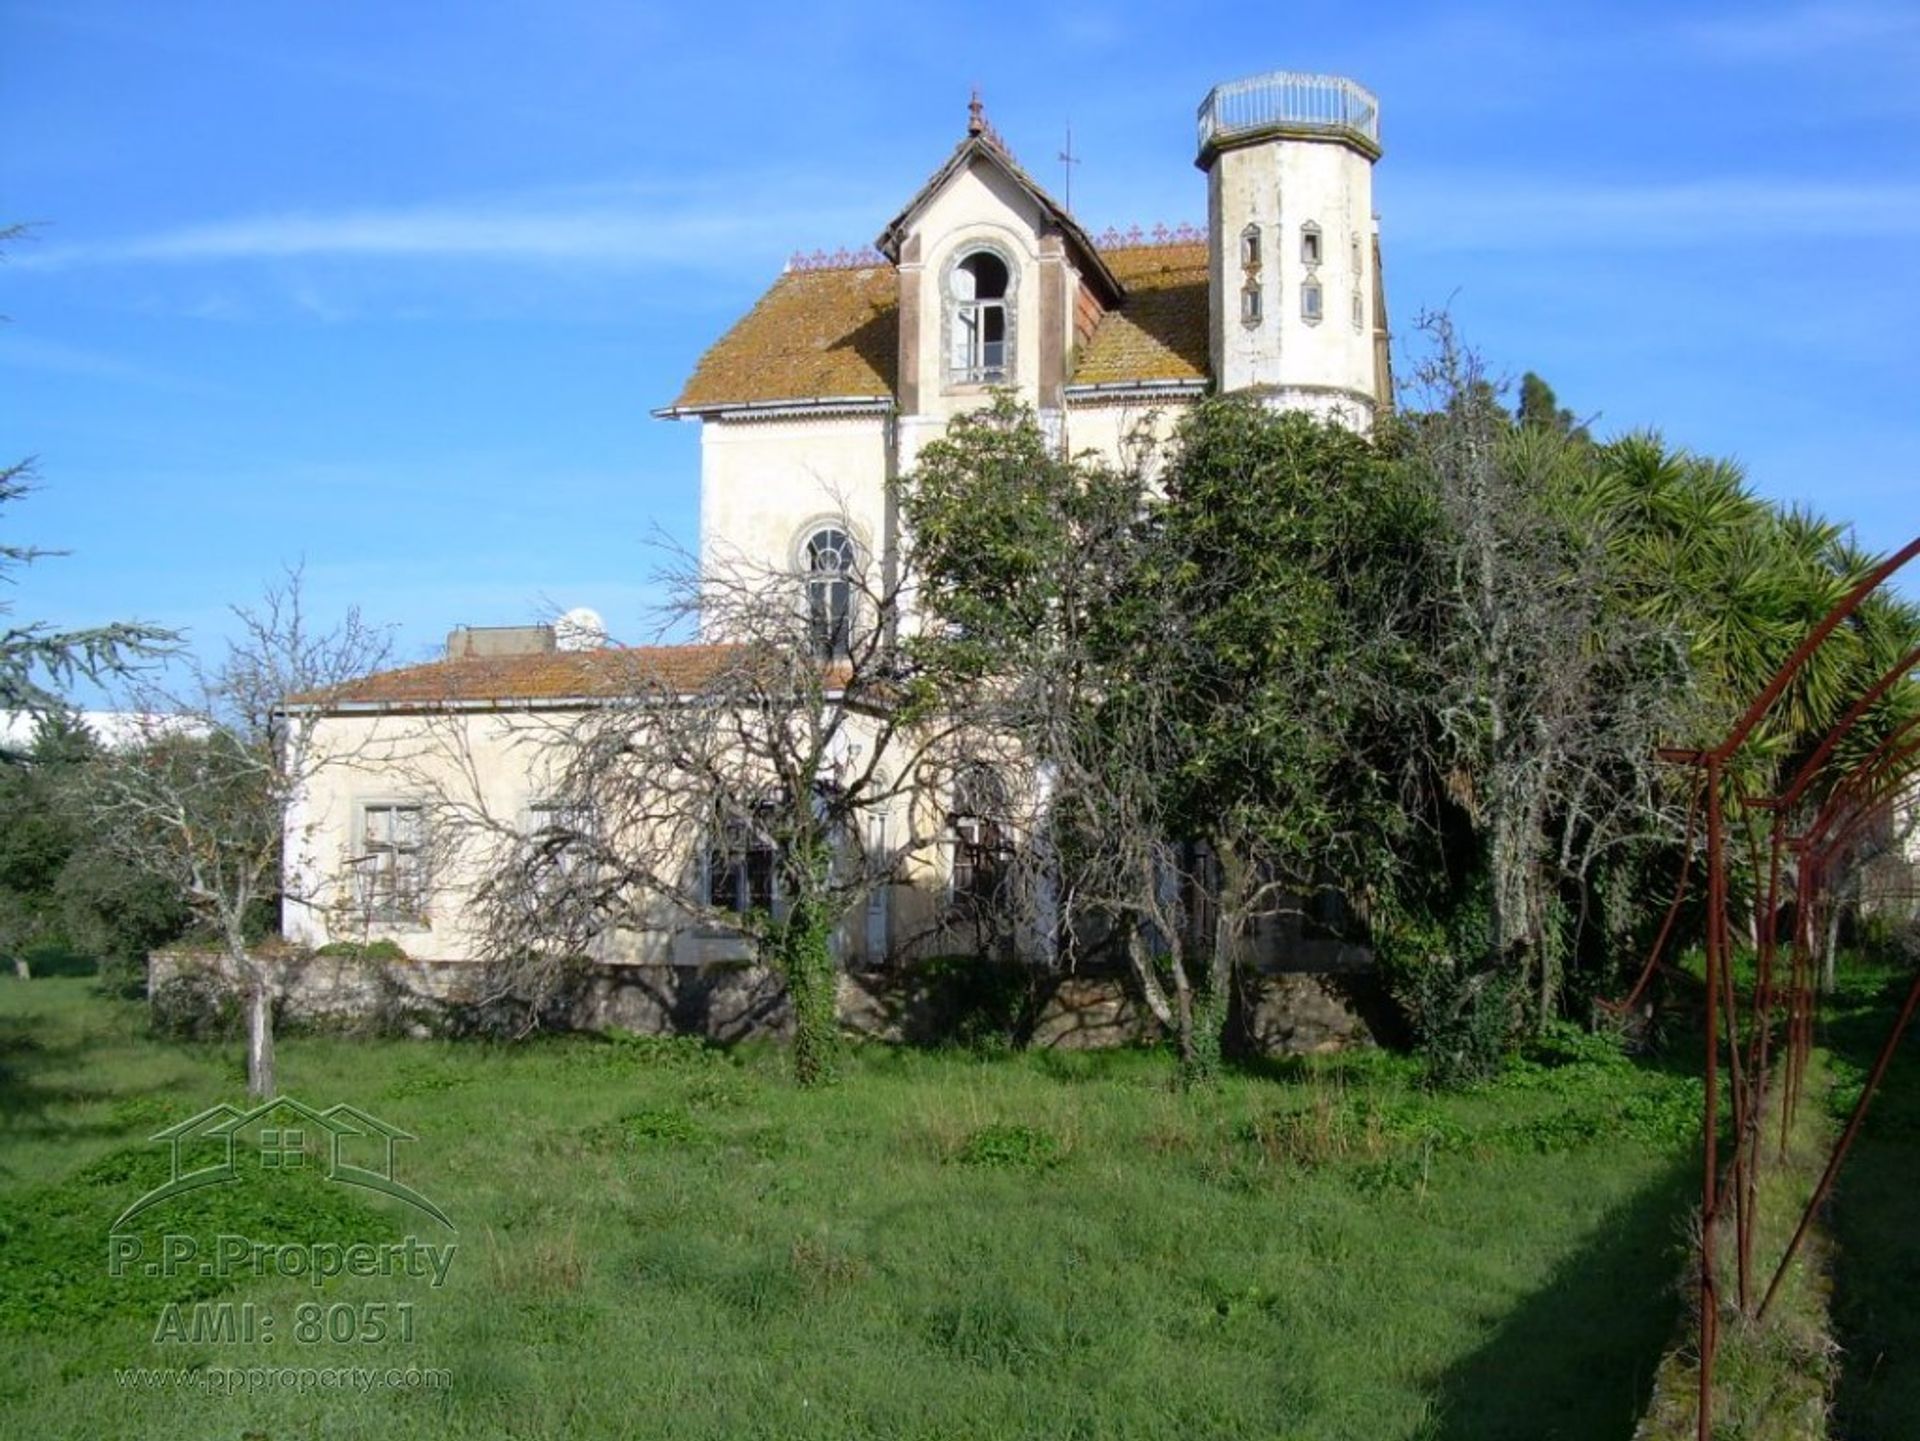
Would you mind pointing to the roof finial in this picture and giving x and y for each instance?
(976, 114)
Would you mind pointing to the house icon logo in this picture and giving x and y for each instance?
(350, 1146)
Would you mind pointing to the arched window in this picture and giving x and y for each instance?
(980, 842)
(1250, 248)
(829, 577)
(979, 333)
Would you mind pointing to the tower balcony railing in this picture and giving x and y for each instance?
(1289, 102)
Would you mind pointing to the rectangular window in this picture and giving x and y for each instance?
(1310, 244)
(1310, 301)
(980, 853)
(980, 342)
(390, 871)
(562, 839)
(741, 871)
(1250, 305)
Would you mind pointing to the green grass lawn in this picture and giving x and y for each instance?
(1876, 1307)
(660, 1239)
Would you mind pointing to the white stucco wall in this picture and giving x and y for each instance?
(764, 484)
(1121, 430)
(1281, 185)
(499, 764)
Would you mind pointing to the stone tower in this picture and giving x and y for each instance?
(1296, 300)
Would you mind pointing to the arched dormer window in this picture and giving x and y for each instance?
(979, 320)
(828, 559)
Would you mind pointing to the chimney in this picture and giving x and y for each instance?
(483, 642)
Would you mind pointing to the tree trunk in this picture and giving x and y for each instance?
(805, 961)
(1830, 950)
(1150, 987)
(257, 983)
(260, 1069)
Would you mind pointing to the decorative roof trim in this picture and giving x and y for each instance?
(859, 258)
(1135, 390)
(1134, 238)
(777, 409)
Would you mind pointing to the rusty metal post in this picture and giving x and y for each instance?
(1710, 1125)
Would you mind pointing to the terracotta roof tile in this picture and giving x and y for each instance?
(542, 676)
(1161, 331)
(828, 333)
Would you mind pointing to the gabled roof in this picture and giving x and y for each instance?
(828, 330)
(609, 673)
(982, 145)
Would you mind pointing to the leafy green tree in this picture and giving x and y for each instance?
(1279, 615)
(1540, 409)
(1032, 567)
(59, 887)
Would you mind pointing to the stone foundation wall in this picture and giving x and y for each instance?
(1287, 1011)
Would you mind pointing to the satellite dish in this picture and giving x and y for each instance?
(580, 629)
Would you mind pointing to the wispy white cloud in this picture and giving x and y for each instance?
(1801, 32)
(19, 350)
(1437, 212)
(607, 226)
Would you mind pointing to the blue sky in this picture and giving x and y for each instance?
(391, 289)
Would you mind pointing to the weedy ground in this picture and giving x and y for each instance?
(1837, 1354)
(661, 1238)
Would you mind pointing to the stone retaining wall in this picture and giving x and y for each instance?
(1288, 1011)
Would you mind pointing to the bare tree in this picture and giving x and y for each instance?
(202, 800)
(1549, 697)
(761, 785)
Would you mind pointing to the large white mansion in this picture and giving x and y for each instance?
(830, 386)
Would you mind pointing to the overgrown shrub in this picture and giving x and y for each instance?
(380, 950)
(1463, 1019)
(977, 1004)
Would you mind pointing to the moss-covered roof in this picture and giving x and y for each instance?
(833, 333)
